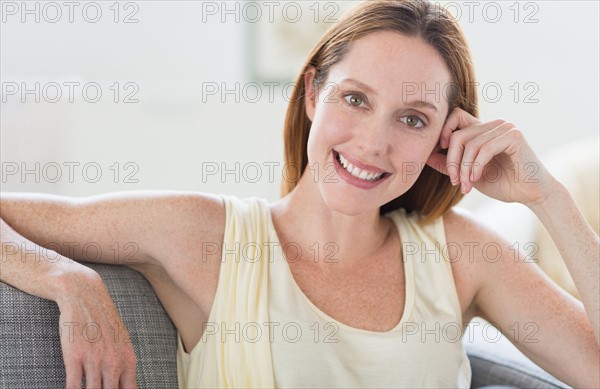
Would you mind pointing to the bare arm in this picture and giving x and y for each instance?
(159, 234)
(578, 245)
(82, 298)
(514, 294)
(136, 228)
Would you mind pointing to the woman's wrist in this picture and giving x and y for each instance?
(552, 197)
(72, 279)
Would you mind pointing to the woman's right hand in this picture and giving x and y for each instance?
(94, 340)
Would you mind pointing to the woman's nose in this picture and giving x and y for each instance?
(374, 137)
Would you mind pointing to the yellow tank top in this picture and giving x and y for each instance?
(264, 332)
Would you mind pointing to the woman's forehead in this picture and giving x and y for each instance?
(390, 62)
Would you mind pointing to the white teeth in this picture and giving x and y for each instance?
(357, 172)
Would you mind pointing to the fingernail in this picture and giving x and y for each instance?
(463, 188)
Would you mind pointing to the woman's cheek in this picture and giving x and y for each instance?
(413, 158)
(337, 126)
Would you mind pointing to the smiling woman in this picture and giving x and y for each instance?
(378, 115)
(379, 163)
(416, 66)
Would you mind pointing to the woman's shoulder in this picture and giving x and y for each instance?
(475, 250)
(469, 243)
(245, 208)
(458, 224)
(237, 201)
(463, 226)
(197, 212)
(456, 227)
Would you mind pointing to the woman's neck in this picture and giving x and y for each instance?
(326, 236)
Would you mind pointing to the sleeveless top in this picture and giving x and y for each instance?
(263, 331)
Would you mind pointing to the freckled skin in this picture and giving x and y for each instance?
(170, 228)
(391, 64)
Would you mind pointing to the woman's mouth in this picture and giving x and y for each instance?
(356, 176)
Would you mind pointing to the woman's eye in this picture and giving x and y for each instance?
(413, 121)
(354, 100)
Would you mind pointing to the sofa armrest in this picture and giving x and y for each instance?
(31, 354)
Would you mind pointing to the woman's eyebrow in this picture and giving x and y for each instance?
(360, 85)
(414, 103)
(422, 104)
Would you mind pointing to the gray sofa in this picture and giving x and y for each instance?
(31, 355)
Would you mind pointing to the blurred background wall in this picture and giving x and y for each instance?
(106, 96)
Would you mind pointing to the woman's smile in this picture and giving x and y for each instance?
(361, 178)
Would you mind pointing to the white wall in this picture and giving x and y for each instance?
(171, 132)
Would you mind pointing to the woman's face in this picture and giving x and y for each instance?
(381, 108)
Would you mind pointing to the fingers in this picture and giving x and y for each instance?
(105, 361)
(74, 376)
(111, 364)
(495, 146)
(457, 119)
(111, 371)
(471, 146)
(481, 147)
(109, 375)
(93, 379)
(438, 162)
(128, 379)
(119, 372)
(461, 152)
(110, 378)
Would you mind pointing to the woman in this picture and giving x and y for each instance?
(378, 171)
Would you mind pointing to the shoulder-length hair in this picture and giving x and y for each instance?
(432, 194)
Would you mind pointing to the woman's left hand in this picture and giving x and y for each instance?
(493, 157)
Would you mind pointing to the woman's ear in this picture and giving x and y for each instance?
(309, 92)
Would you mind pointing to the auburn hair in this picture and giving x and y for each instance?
(432, 194)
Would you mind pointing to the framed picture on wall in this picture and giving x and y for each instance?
(281, 34)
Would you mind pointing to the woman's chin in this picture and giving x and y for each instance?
(346, 204)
